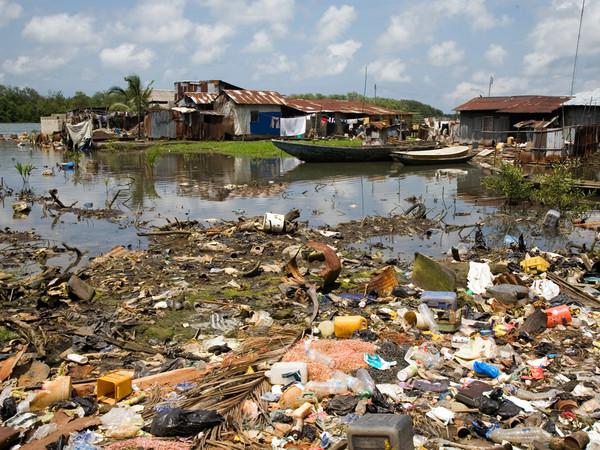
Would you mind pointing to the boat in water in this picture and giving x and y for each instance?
(328, 153)
(440, 156)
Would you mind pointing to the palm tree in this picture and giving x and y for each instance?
(134, 97)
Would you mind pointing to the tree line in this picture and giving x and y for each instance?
(420, 109)
(27, 105)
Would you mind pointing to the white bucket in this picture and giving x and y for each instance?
(273, 222)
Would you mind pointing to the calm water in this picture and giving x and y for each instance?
(204, 186)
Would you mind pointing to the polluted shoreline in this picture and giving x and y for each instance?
(270, 328)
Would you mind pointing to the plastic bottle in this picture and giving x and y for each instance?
(324, 388)
(368, 381)
(521, 435)
(407, 373)
(428, 386)
(352, 383)
(318, 357)
(423, 357)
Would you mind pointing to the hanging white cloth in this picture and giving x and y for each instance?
(80, 132)
(292, 126)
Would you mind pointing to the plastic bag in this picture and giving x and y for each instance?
(479, 278)
(122, 423)
(545, 288)
(182, 422)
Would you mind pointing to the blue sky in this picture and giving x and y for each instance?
(440, 52)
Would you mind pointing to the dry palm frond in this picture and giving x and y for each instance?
(225, 389)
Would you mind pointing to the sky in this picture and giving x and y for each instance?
(440, 52)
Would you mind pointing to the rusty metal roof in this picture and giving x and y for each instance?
(514, 104)
(248, 97)
(329, 105)
(202, 98)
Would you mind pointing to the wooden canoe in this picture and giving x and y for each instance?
(325, 153)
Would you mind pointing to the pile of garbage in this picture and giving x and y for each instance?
(265, 334)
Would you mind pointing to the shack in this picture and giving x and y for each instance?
(494, 118)
(52, 124)
(184, 123)
(328, 117)
(250, 113)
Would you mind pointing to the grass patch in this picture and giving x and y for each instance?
(251, 149)
(7, 335)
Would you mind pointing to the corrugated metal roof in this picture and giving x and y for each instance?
(202, 98)
(248, 97)
(585, 98)
(339, 106)
(514, 104)
(162, 96)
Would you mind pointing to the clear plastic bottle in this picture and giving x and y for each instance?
(423, 357)
(324, 388)
(520, 435)
(318, 357)
(352, 383)
(368, 381)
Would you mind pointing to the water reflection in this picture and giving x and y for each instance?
(202, 185)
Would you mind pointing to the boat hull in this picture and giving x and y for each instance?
(412, 160)
(324, 153)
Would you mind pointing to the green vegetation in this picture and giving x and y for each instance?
(553, 190)
(24, 170)
(134, 98)
(27, 105)
(7, 335)
(509, 182)
(557, 190)
(253, 149)
(420, 109)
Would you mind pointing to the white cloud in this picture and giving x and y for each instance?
(2, 76)
(389, 70)
(334, 22)
(261, 42)
(61, 29)
(211, 42)
(9, 11)
(127, 56)
(333, 60)
(27, 64)
(495, 54)
(160, 21)
(417, 24)
(476, 11)
(275, 13)
(554, 37)
(445, 54)
(479, 84)
(276, 65)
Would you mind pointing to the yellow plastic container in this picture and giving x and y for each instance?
(114, 386)
(536, 264)
(345, 326)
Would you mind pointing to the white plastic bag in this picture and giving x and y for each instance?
(480, 277)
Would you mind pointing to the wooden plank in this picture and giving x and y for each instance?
(64, 430)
